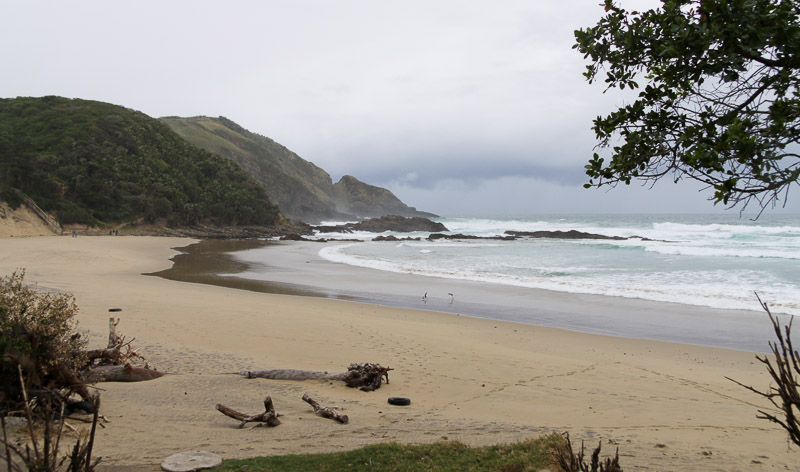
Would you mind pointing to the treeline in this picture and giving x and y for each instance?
(91, 163)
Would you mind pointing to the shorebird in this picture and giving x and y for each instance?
(452, 298)
(425, 298)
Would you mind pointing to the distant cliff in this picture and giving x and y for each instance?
(357, 198)
(301, 190)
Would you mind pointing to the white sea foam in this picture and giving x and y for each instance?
(702, 288)
(723, 252)
(704, 262)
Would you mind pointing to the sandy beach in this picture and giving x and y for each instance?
(666, 405)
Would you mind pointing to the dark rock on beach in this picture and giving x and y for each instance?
(205, 232)
(399, 224)
(393, 238)
(571, 234)
(435, 236)
(298, 237)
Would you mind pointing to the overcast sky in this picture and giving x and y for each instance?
(459, 107)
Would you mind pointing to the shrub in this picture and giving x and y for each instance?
(8, 195)
(784, 369)
(37, 334)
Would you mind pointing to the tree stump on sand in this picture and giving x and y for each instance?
(326, 412)
(113, 339)
(269, 416)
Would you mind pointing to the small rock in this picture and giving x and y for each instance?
(190, 461)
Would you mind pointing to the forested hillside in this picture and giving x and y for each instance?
(302, 190)
(95, 163)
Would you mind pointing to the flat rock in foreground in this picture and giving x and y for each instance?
(190, 461)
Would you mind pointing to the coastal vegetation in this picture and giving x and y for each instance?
(719, 98)
(530, 455)
(38, 340)
(40, 355)
(95, 163)
(784, 369)
(296, 185)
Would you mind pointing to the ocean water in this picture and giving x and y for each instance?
(717, 261)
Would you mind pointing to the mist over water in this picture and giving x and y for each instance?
(706, 260)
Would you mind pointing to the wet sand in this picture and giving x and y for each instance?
(295, 268)
(667, 406)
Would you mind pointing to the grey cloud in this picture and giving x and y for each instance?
(419, 96)
(426, 173)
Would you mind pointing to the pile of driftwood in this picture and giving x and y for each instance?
(365, 376)
(117, 362)
(270, 417)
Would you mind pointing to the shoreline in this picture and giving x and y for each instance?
(295, 268)
(667, 406)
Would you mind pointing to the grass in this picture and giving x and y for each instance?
(525, 456)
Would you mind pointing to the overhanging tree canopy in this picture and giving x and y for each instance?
(720, 102)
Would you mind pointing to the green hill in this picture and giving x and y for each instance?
(90, 162)
(301, 190)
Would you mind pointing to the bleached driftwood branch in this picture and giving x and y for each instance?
(269, 417)
(326, 412)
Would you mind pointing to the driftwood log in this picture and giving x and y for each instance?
(326, 412)
(365, 376)
(115, 363)
(120, 373)
(293, 374)
(269, 417)
(111, 355)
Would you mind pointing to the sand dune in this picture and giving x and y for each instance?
(21, 222)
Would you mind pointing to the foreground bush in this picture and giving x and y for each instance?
(37, 335)
(40, 357)
(784, 368)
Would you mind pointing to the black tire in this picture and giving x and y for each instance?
(83, 406)
(115, 309)
(400, 401)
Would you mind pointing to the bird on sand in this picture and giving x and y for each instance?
(425, 298)
(452, 298)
